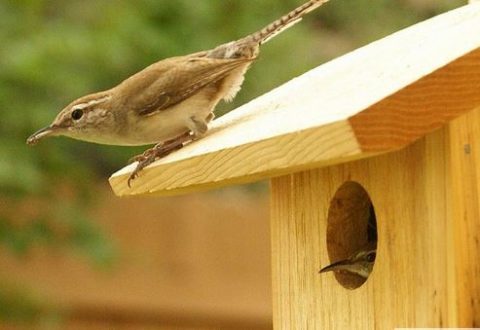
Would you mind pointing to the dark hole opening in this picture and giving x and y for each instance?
(352, 234)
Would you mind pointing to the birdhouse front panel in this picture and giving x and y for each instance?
(413, 282)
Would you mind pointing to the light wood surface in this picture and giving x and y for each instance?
(426, 274)
(464, 199)
(405, 284)
(422, 107)
(373, 100)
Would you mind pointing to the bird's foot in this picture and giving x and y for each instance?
(158, 151)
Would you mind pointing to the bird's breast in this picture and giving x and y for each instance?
(168, 123)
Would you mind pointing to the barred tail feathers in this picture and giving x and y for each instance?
(285, 22)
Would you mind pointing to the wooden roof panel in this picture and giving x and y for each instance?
(376, 99)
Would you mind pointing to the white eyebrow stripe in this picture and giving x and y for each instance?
(82, 106)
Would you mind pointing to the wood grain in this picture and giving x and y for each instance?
(393, 91)
(408, 286)
(464, 199)
(427, 105)
(426, 199)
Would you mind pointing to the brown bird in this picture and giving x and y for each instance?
(360, 263)
(170, 102)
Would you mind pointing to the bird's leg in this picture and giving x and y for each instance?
(210, 117)
(199, 126)
(158, 151)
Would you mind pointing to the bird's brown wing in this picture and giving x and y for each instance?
(165, 84)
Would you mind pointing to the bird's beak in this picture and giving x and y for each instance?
(339, 265)
(40, 134)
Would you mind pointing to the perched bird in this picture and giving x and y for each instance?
(360, 263)
(170, 102)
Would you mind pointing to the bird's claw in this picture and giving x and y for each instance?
(143, 161)
(159, 151)
(141, 157)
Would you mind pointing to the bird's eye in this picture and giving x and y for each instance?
(77, 114)
(371, 257)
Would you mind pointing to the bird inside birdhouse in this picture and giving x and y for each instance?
(351, 235)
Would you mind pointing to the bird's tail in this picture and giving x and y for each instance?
(285, 22)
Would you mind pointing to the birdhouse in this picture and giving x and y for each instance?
(379, 148)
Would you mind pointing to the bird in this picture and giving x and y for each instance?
(360, 263)
(169, 103)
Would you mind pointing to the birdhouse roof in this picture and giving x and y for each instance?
(376, 99)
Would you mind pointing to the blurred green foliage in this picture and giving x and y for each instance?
(19, 305)
(55, 51)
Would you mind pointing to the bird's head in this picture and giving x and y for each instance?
(87, 118)
(360, 263)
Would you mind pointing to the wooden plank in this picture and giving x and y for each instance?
(422, 107)
(271, 135)
(408, 286)
(464, 134)
(254, 161)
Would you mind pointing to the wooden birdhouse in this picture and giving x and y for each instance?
(382, 143)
